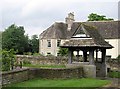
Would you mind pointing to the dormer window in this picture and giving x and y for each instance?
(80, 32)
(81, 36)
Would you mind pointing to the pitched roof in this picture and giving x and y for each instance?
(94, 39)
(108, 30)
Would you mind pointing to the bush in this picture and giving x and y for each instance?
(118, 58)
(63, 51)
(114, 74)
(26, 62)
(37, 54)
(8, 59)
(28, 53)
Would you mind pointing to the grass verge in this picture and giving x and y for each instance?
(62, 83)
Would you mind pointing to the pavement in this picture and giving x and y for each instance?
(115, 84)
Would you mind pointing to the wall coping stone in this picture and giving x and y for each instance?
(14, 71)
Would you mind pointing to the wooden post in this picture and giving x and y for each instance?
(78, 55)
(84, 56)
(104, 66)
(96, 55)
(91, 57)
(70, 55)
(103, 55)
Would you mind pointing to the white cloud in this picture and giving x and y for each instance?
(34, 30)
(37, 15)
(34, 6)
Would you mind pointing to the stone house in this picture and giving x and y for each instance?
(60, 32)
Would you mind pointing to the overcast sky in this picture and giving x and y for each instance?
(38, 15)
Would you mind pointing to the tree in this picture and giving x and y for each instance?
(63, 51)
(34, 44)
(13, 38)
(96, 17)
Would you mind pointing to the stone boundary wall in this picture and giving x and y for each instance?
(42, 59)
(15, 76)
(56, 73)
(21, 75)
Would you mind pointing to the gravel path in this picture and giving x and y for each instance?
(114, 85)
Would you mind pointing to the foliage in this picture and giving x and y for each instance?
(27, 53)
(118, 58)
(37, 54)
(34, 44)
(63, 51)
(83, 83)
(26, 62)
(114, 74)
(13, 37)
(8, 59)
(96, 17)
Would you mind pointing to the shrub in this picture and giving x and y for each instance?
(63, 51)
(26, 62)
(118, 58)
(28, 53)
(37, 54)
(114, 74)
(8, 59)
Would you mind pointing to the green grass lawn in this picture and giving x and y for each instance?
(44, 66)
(83, 82)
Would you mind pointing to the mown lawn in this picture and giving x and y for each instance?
(44, 66)
(83, 83)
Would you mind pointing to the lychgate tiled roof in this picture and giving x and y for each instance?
(94, 39)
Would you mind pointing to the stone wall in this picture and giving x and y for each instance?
(42, 59)
(26, 74)
(14, 76)
(56, 73)
(88, 70)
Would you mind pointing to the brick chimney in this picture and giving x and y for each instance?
(69, 20)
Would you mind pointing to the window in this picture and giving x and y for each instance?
(58, 54)
(48, 53)
(49, 43)
(58, 43)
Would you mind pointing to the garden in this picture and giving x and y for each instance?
(10, 63)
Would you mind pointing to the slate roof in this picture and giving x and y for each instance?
(94, 39)
(107, 29)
